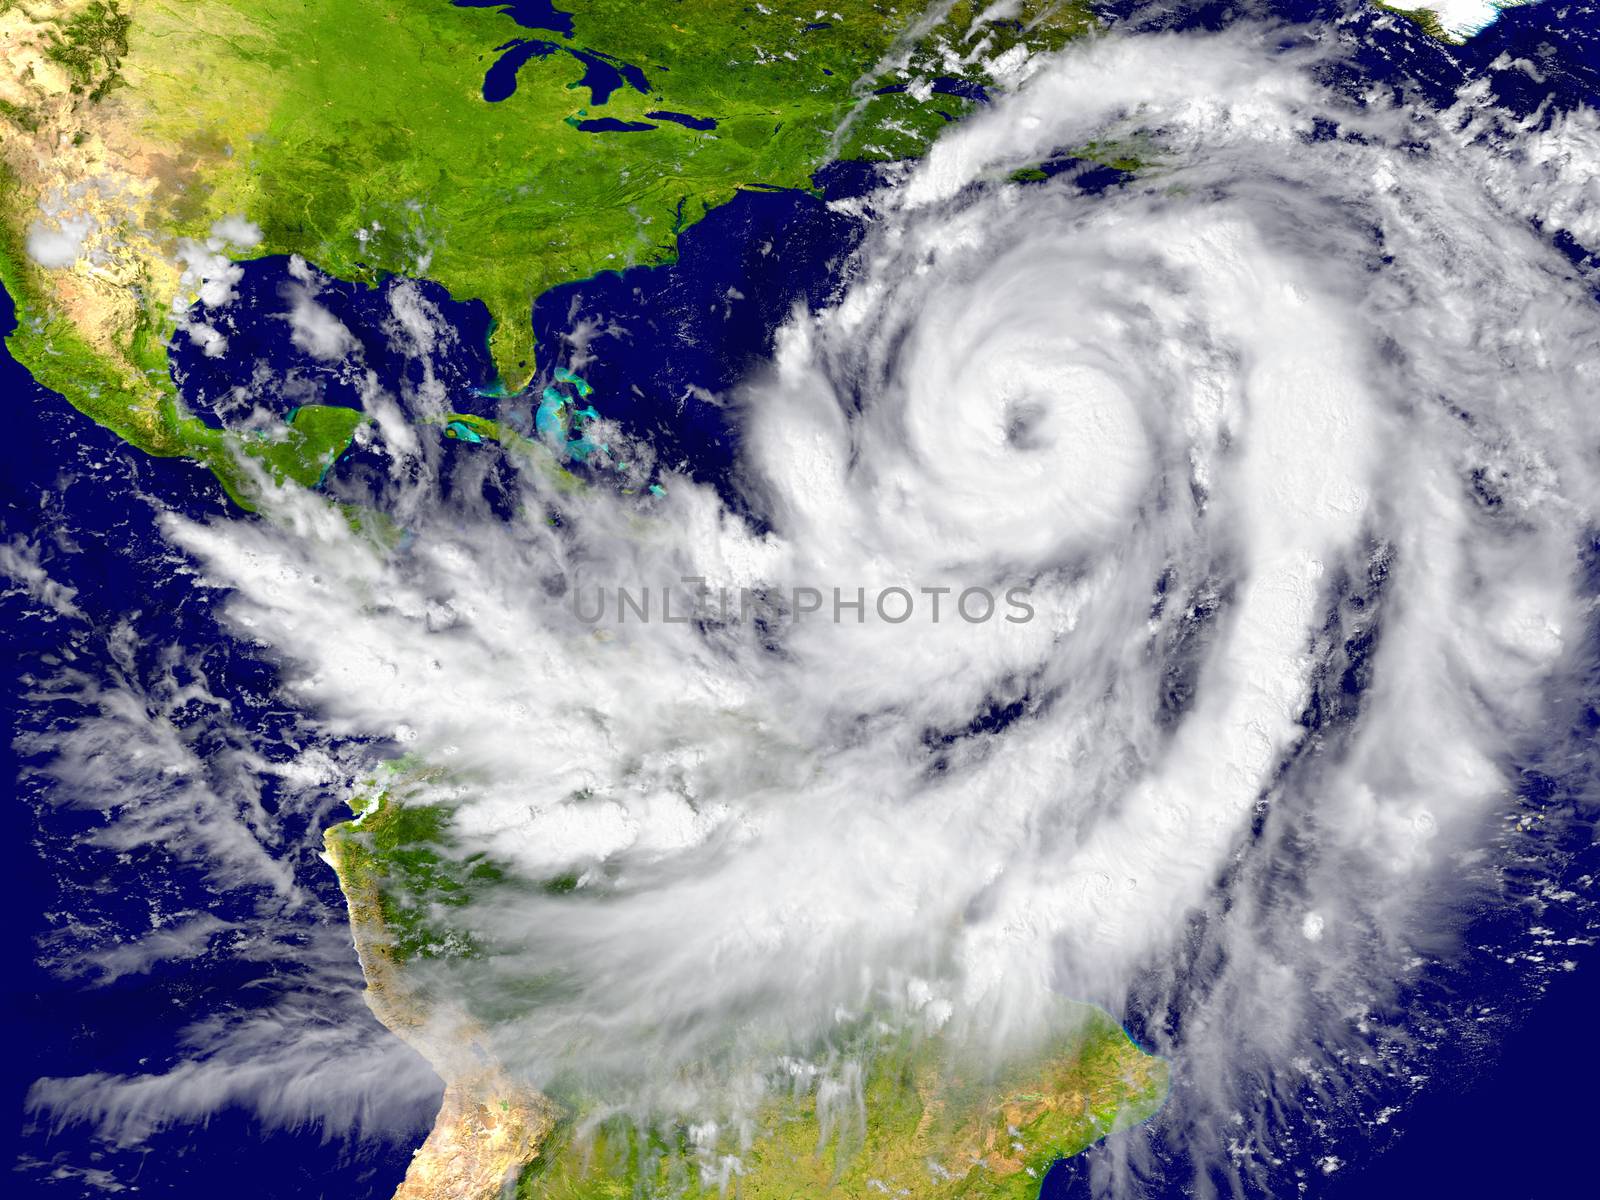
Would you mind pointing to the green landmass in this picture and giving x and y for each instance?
(355, 133)
(926, 1123)
(929, 1120)
(401, 860)
(300, 451)
(90, 44)
(1429, 21)
(1131, 155)
(1425, 19)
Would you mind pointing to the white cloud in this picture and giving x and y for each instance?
(237, 230)
(209, 276)
(308, 1060)
(60, 246)
(316, 330)
(210, 340)
(420, 325)
(19, 560)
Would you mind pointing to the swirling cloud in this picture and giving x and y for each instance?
(1308, 400)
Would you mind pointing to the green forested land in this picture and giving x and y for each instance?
(924, 1124)
(355, 133)
(991, 1124)
(361, 138)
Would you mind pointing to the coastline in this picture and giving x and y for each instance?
(963, 1128)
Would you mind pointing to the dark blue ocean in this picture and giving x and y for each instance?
(1507, 1119)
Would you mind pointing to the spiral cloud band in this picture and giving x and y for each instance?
(1310, 398)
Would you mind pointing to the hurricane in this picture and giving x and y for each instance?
(1148, 593)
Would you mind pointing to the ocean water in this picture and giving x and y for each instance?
(87, 509)
(85, 506)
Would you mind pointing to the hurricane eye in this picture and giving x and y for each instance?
(1026, 425)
